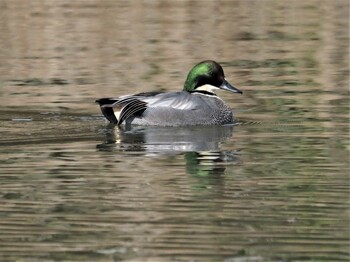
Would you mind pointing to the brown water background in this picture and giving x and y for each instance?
(274, 188)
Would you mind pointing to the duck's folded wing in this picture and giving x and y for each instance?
(172, 100)
(116, 110)
(131, 107)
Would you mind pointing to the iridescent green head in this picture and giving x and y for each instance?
(207, 76)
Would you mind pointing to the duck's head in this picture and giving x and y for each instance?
(208, 76)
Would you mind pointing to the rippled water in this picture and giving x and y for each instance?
(274, 187)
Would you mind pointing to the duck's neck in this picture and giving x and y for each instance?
(203, 92)
(207, 88)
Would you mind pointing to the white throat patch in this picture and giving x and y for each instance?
(208, 88)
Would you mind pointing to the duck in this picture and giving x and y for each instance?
(196, 105)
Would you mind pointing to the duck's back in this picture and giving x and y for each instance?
(182, 109)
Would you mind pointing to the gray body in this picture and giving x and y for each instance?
(168, 109)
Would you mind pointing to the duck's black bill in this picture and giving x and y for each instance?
(227, 86)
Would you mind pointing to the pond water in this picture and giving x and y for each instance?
(274, 187)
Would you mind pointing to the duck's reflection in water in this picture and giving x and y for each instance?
(201, 146)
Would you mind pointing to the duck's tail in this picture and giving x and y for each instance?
(106, 105)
